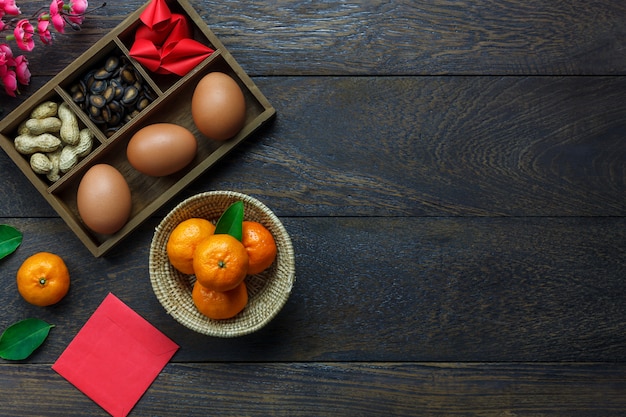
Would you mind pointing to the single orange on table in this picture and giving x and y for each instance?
(183, 240)
(220, 262)
(43, 279)
(260, 245)
(220, 305)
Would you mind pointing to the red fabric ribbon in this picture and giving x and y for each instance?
(164, 44)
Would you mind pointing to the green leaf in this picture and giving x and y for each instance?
(231, 221)
(21, 339)
(10, 239)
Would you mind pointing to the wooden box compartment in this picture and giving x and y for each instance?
(170, 102)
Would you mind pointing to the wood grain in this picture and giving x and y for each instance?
(399, 37)
(404, 37)
(355, 388)
(452, 175)
(383, 289)
(433, 146)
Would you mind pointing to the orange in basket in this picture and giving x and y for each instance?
(183, 241)
(220, 262)
(260, 245)
(220, 305)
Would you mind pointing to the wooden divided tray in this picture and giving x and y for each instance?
(170, 97)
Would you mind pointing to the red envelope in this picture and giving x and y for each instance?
(115, 357)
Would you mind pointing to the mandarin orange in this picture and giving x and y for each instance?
(220, 262)
(220, 305)
(260, 245)
(43, 279)
(183, 240)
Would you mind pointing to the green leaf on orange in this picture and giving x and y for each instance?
(21, 339)
(231, 221)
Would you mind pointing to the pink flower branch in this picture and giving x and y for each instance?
(14, 70)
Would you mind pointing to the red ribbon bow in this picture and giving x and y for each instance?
(164, 44)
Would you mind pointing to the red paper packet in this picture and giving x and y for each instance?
(115, 357)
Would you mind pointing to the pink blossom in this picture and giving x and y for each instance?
(21, 70)
(23, 33)
(3, 65)
(9, 7)
(5, 50)
(56, 7)
(6, 59)
(77, 11)
(6, 74)
(79, 6)
(10, 82)
(15, 71)
(43, 30)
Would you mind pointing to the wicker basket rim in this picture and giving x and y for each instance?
(270, 290)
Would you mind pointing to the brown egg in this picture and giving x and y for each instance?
(103, 199)
(161, 149)
(218, 106)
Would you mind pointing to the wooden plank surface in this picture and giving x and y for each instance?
(398, 37)
(453, 177)
(406, 289)
(339, 389)
(487, 146)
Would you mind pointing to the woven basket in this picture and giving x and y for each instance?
(267, 291)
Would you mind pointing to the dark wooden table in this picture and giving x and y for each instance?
(453, 177)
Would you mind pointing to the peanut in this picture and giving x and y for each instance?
(40, 163)
(70, 154)
(22, 129)
(28, 144)
(69, 125)
(39, 126)
(54, 174)
(43, 110)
